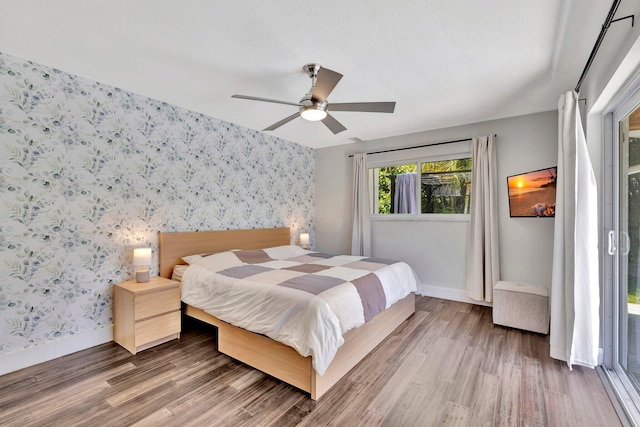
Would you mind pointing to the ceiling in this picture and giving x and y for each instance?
(445, 63)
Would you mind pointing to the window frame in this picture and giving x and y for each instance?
(418, 161)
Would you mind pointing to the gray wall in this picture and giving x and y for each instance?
(437, 250)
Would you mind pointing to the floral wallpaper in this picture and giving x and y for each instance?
(89, 171)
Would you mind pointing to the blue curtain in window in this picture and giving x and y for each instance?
(404, 198)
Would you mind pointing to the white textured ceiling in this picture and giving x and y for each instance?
(445, 63)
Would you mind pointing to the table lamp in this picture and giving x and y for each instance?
(142, 258)
(304, 240)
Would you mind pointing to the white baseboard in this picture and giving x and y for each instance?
(450, 294)
(33, 355)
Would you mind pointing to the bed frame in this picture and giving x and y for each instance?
(259, 351)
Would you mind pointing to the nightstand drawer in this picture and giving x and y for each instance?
(157, 327)
(153, 303)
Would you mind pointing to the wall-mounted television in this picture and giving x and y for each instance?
(533, 194)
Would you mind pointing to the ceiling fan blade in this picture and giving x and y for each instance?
(283, 121)
(325, 82)
(255, 98)
(368, 107)
(333, 125)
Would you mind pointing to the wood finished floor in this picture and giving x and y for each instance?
(446, 365)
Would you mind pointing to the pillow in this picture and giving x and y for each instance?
(178, 271)
(190, 259)
(286, 251)
(222, 260)
(216, 262)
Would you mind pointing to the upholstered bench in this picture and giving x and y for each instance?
(521, 306)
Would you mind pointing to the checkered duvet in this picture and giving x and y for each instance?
(303, 299)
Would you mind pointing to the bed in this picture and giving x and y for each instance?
(259, 351)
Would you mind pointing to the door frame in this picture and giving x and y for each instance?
(611, 325)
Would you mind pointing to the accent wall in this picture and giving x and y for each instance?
(89, 171)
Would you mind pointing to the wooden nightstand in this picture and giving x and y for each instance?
(146, 314)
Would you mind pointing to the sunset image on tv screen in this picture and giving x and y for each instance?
(533, 193)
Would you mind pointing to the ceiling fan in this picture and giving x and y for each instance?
(314, 105)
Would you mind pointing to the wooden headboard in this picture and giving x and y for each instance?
(173, 246)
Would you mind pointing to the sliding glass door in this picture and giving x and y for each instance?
(624, 244)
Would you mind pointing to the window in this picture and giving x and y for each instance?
(444, 187)
(387, 179)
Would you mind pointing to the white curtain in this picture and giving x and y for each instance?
(483, 266)
(361, 232)
(404, 198)
(575, 320)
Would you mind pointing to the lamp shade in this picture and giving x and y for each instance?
(142, 256)
(304, 239)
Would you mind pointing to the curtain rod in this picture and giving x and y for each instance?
(419, 146)
(603, 31)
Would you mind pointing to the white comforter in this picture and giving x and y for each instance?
(303, 299)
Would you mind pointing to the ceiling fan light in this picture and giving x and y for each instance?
(313, 114)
